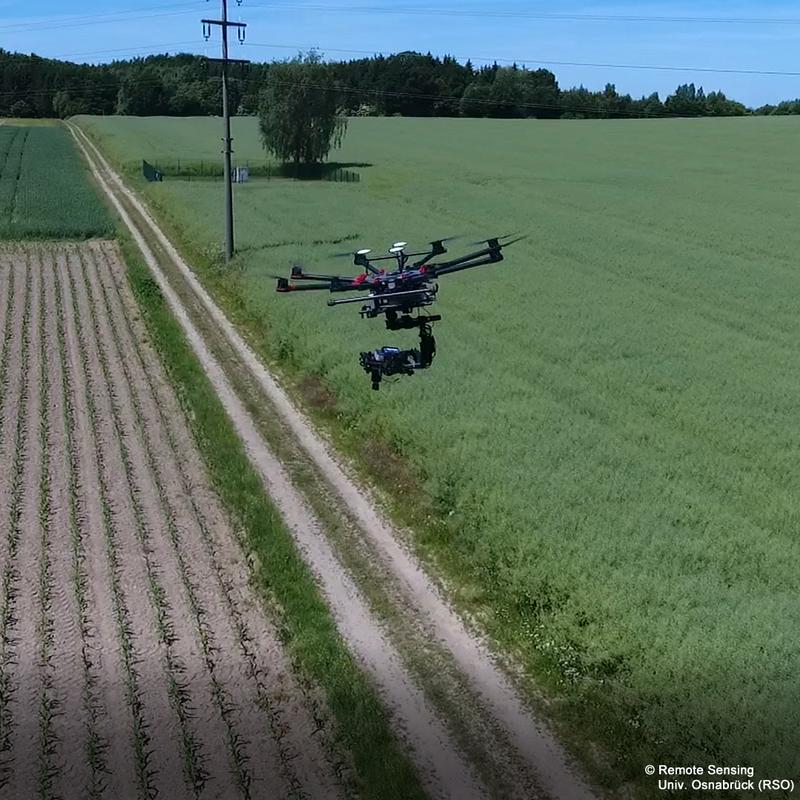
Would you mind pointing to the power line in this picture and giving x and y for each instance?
(425, 11)
(545, 62)
(133, 51)
(64, 20)
(127, 16)
(161, 10)
(378, 93)
(523, 60)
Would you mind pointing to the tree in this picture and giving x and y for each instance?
(142, 93)
(687, 101)
(299, 114)
(540, 93)
(476, 99)
(22, 109)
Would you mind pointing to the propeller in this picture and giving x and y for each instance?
(351, 253)
(494, 238)
(434, 242)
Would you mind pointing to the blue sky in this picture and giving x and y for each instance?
(100, 30)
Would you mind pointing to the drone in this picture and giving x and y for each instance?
(396, 294)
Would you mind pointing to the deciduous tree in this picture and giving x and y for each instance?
(299, 113)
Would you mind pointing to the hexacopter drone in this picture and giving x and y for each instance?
(396, 295)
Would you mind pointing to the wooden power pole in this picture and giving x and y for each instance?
(224, 24)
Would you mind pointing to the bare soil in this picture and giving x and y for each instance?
(135, 658)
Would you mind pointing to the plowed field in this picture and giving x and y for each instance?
(135, 660)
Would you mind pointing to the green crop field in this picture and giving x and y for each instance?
(44, 187)
(608, 446)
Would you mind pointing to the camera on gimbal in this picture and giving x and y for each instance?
(389, 361)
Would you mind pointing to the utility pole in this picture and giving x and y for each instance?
(226, 116)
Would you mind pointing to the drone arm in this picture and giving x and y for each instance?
(345, 300)
(487, 251)
(387, 296)
(493, 250)
(423, 261)
(458, 266)
(311, 276)
(284, 286)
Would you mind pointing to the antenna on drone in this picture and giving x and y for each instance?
(224, 24)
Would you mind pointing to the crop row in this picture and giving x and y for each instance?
(175, 669)
(204, 634)
(48, 705)
(10, 575)
(125, 620)
(96, 746)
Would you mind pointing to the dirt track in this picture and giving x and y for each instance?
(134, 658)
(483, 738)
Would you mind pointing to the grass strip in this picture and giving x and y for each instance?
(306, 626)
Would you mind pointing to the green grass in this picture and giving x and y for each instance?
(45, 190)
(607, 444)
(170, 143)
(306, 626)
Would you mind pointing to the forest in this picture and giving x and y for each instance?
(405, 84)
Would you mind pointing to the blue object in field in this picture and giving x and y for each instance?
(150, 173)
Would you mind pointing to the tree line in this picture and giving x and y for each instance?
(406, 84)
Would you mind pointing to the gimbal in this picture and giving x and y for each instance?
(389, 361)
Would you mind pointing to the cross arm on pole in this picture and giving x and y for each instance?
(224, 22)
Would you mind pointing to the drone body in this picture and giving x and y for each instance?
(396, 295)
